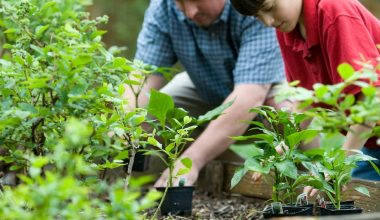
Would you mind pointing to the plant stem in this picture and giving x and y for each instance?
(130, 166)
(161, 201)
(171, 169)
(275, 195)
(337, 190)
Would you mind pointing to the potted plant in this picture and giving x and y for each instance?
(333, 166)
(279, 156)
(334, 111)
(173, 128)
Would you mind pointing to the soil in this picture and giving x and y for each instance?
(222, 207)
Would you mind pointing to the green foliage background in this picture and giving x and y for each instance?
(125, 19)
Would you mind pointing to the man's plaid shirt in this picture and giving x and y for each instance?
(235, 49)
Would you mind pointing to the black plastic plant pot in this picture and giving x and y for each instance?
(346, 208)
(140, 163)
(288, 210)
(178, 200)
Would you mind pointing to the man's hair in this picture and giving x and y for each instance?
(247, 7)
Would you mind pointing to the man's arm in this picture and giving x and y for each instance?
(215, 139)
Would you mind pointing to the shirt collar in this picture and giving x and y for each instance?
(223, 17)
(309, 10)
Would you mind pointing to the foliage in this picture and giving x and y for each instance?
(53, 68)
(332, 110)
(174, 127)
(331, 107)
(333, 167)
(61, 194)
(282, 133)
(122, 14)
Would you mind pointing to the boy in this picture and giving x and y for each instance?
(315, 36)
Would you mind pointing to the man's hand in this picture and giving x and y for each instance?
(190, 177)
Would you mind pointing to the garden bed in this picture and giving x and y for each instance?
(225, 206)
(263, 189)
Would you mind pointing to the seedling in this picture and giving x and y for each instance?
(334, 168)
(173, 128)
(282, 134)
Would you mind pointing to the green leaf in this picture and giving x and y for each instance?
(119, 62)
(40, 30)
(159, 105)
(98, 33)
(82, 59)
(369, 91)
(212, 114)
(254, 165)
(345, 71)
(10, 30)
(266, 137)
(8, 46)
(154, 142)
(170, 147)
(187, 162)
(294, 83)
(48, 5)
(296, 138)
(363, 190)
(238, 175)
(187, 120)
(122, 155)
(287, 168)
(39, 162)
(182, 171)
(320, 90)
(246, 150)
(349, 100)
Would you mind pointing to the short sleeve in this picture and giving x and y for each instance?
(259, 59)
(153, 44)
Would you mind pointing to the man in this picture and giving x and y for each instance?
(226, 56)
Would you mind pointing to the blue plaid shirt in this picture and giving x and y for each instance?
(235, 49)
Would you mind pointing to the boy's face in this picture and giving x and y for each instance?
(202, 12)
(281, 14)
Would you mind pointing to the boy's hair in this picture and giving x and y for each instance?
(248, 7)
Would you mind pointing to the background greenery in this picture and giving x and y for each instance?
(125, 19)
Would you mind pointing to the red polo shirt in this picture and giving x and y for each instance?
(337, 31)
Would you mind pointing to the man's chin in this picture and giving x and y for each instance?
(203, 24)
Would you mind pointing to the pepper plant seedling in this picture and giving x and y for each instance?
(282, 133)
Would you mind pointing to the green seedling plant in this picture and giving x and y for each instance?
(333, 111)
(134, 82)
(333, 167)
(282, 133)
(173, 127)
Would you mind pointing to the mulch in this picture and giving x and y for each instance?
(225, 206)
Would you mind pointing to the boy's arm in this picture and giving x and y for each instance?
(354, 141)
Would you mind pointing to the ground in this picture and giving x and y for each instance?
(222, 207)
